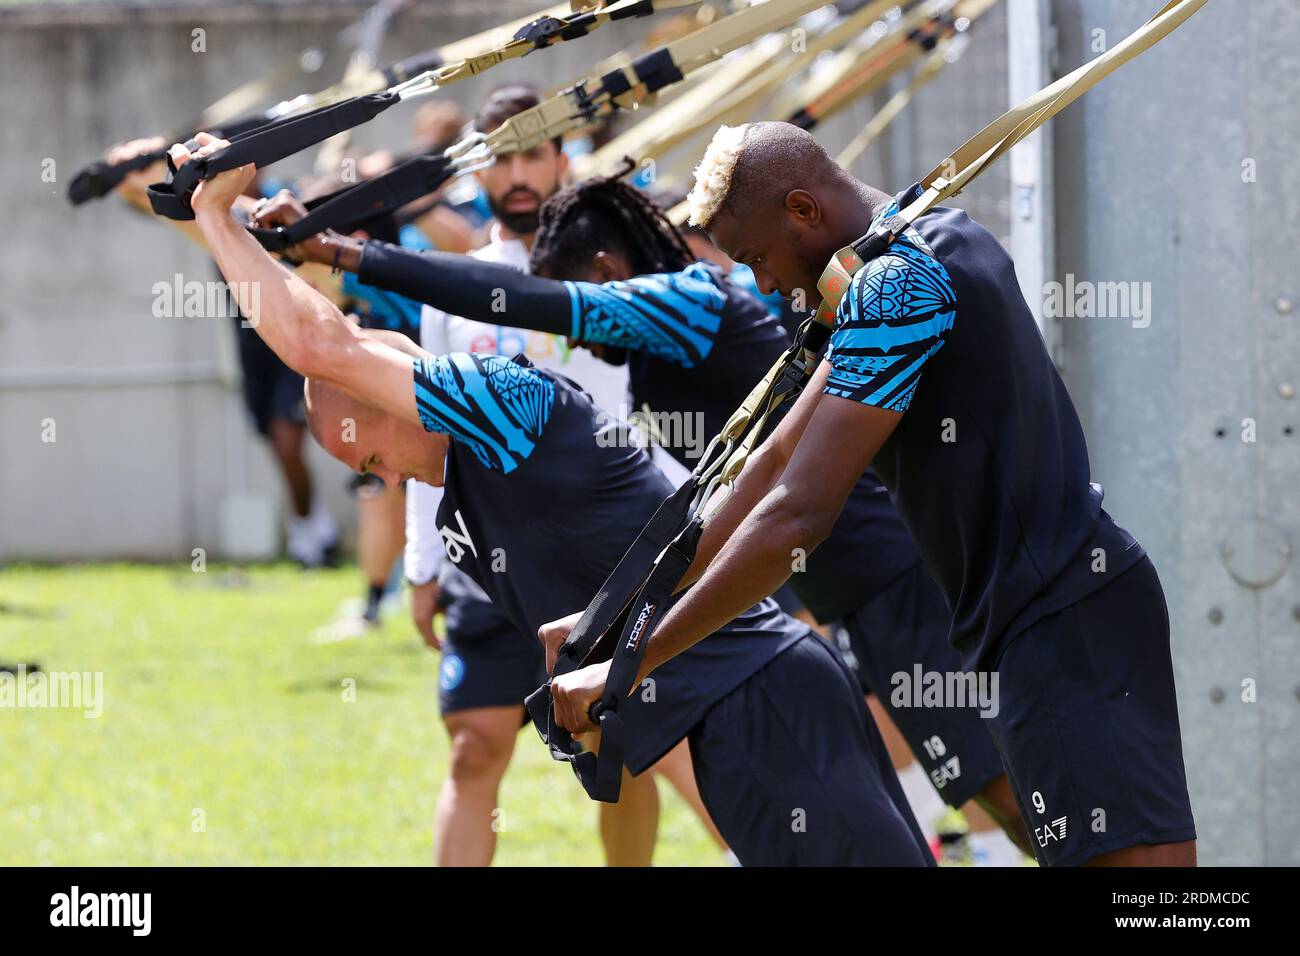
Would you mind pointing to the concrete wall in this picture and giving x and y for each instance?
(1180, 171)
(150, 433)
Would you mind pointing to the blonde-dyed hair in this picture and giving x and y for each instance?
(714, 175)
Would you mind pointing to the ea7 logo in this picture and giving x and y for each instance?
(457, 541)
(638, 628)
(1054, 832)
(946, 772)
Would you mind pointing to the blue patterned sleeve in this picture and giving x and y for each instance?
(675, 316)
(895, 315)
(495, 407)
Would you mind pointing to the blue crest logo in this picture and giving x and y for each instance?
(453, 672)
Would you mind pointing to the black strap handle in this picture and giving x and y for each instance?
(101, 177)
(353, 206)
(265, 145)
(633, 600)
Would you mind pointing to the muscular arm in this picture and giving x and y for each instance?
(761, 473)
(836, 447)
(860, 395)
(299, 324)
(798, 511)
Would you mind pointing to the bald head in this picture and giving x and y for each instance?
(335, 417)
(369, 440)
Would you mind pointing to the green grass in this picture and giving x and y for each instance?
(217, 700)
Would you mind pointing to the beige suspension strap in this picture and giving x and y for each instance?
(628, 86)
(745, 81)
(871, 69)
(870, 51)
(361, 65)
(951, 176)
(947, 51)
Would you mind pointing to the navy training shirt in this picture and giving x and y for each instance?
(988, 465)
(698, 343)
(543, 495)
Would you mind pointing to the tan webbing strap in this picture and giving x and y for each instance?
(744, 81)
(580, 105)
(951, 176)
(477, 63)
(502, 33)
(866, 57)
(360, 65)
(679, 118)
(947, 51)
(867, 77)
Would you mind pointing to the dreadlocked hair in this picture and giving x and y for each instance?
(605, 214)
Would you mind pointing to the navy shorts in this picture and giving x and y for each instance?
(272, 390)
(794, 773)
(1088, 725)
(493, 669)
(901, 629)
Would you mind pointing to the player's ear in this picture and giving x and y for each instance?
(605, 267)
(803, 206)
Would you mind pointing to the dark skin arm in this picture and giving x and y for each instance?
(761, 472)
(837, 445)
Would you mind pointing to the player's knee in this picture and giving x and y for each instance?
(477, 754)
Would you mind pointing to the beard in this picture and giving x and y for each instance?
(520, 223)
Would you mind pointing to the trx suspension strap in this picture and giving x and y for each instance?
(456, 61)
(370, 38)
(273, 142)
(100, 178)
(228, 116)
(576, 107)
(744, 81)
(637, 592)
(951, 176)
(634, 597)
(870, 68)
(887, 48)
(948, 50)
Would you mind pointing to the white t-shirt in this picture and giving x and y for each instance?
(441, 333)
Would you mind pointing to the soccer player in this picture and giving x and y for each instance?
(541, 507)
(696, 344)
(937, 374)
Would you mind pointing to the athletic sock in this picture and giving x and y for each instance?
(373, 596)
(925, 803)
(994, 848)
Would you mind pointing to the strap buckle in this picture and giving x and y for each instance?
(541, 31)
